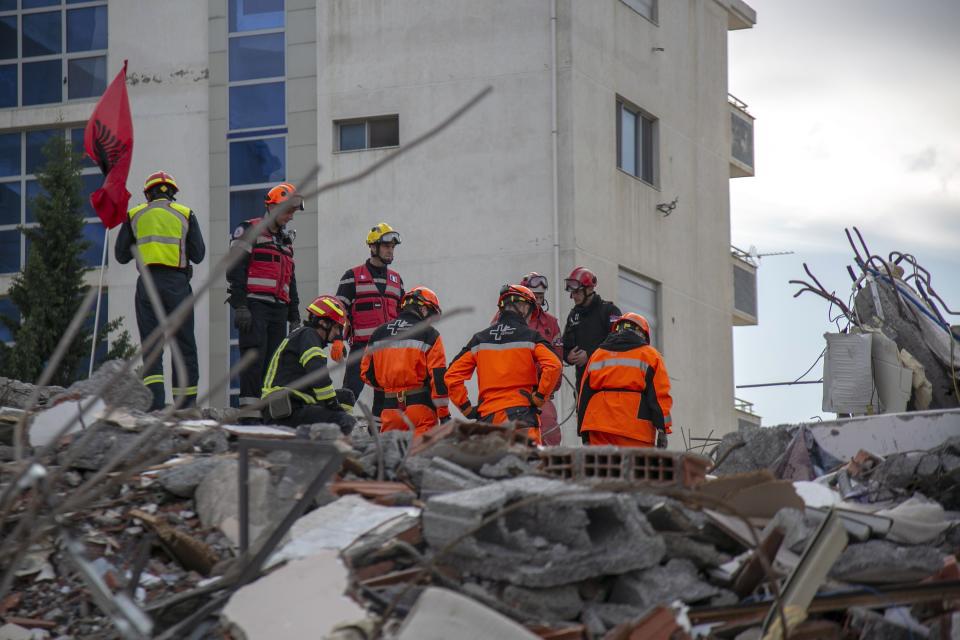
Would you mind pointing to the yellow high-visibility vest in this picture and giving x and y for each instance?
(160, 228)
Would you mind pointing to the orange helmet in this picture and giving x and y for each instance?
(579, 278)
(329, 308)
(281, 193)
(160, 179)
(634, 319)
(516, 293)
(424, 296)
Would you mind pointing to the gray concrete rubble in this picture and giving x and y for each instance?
(116, 389)
(550, 533)
(182, 480)
(16, 394)
(882, 562)
(934, 473)
(443, 476)
(676, 580)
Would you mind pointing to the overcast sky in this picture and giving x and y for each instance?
(858, 123)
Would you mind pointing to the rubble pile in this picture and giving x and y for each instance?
(182, 525)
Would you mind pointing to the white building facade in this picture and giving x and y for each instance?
(607, 141)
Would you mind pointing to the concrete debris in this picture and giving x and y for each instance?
(217, 502)
(882, 562)
(15, 394)
(509, 466)
(751, 449)
(441, 614)
(303, 599)
(119, 390)
(676, 580)
(443, 476)
(550, 533)
(550, 605)
(868, 624)
(183, 479)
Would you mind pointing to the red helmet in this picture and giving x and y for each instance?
(535, 282)
(579, 278)
(281, 193)
(329, 308)
(162, 179)
(516, 293)
(634, 319)
(424, 296)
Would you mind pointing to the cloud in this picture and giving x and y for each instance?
(922, 161)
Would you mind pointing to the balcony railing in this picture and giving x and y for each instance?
(741, 139)
(744, 288)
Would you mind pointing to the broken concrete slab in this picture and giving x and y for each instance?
(217, 501)
(882, 562)
(887, 433)
(441, 614)
(703, 554)
(868, 624)
(67, 417)
(443, 476)
(676, 580)
(91, 448)
(561, 534)
(509, 466)
(304, 599)
(751, 448)
(335, 526)
(15, 394)
(182, 480)
(550, 605)
(120, 390)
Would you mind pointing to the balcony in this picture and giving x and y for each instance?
(746, 416)
(744, 288)
(741, 139)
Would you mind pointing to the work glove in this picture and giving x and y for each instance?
(243, 319)
(536, 400)
(473, 414)
(292, 324)
(346, 398)
(338, 351)
(346, 422)
(661, 439)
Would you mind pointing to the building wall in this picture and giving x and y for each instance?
(616, 222)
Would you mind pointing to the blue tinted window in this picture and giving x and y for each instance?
(245, 205)
(256, 161)
(9, 251)
(260, 105)
(353, 136)
(91, 182)
(254, 57)
(87, 29)
(9, 154)
(41, 33)
(36, 141)
(33, 190)
(42, 82)
(76, 138)
(9, 203)
(250, 15)
(87, 77)
(628, 141)
(8, 5)
(34, 4)
(8, 85)
(8, 37)
(8, 310)
(93, 254)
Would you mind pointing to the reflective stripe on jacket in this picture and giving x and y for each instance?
(270, 267)
(625, 390)
(299, 354)
(507, 357)
(415, 361)
(160, 229)
(370, 308)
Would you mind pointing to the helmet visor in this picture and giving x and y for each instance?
(390, 236)
(537, 282)
(572, 284)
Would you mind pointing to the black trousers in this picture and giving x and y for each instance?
(353, 381)
(173, 287)
(268, 331)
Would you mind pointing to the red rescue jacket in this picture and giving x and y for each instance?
(270, 267)
(371, 308)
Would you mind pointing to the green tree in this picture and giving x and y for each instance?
(49, 290)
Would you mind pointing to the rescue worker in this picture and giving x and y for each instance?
(263, 287)
(372, 294)
(304, 352)
(167, 235)
(516, 368)
(409, 371)
(625, 395)
(547, 325)
(588, 323)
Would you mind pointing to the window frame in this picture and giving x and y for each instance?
(63, 56)
(365, 121)
(644, 158)
(654, 18)
(231, 35)
(625, 273)
(23, 178)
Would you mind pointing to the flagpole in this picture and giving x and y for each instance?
(96, 316)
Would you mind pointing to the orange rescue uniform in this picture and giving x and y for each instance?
(410, 372)
(511, 360)
(625, 393)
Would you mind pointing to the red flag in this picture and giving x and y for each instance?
(108, 140)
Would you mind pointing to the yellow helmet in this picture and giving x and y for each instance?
(382, 233)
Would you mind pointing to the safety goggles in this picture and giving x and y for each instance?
(572, 284)
(390, 236)
(537, 282)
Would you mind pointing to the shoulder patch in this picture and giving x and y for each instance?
(238, 232)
